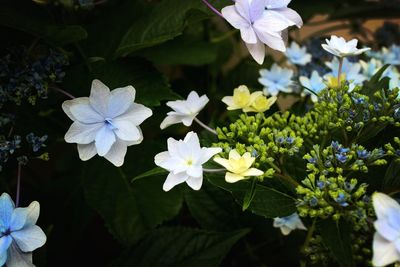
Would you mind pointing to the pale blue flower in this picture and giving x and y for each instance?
(276, 80)
(394, 76)
(106, 122)
(315, 83)
(392, 55)
(386, 243)
(19, 234)
(298, 55)
(371, 67)
(289, 223)
(352, 71)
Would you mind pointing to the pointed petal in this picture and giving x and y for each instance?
(252, 172)
(127, 131)
(99, 96)
(66, 105)
(383, 204)
(223, 162)
(161, 157)
(291, 15)
(233, 178)
(275, 42)
(82, 133)
(170, 120)
(6, 210)
(234, 18)
(5, 243)
(29, 238)
(248, 35)
(192, 140)
(195, 182)
(117, 152)
(17, 258)
(384, 252)
(195, 171)
(85, 113)
(173, 180)
(136, 113)
(18, 219)
(120, 101)
(87, 151)
(257, 51)
(208, 153)
(33, 211)
(105, 138)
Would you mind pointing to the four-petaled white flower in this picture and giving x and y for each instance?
(386, 243)
(276, 80)
(315, 83)
(339, 47)
(184, 111)
(298, 55)
(184, 160)
(105, 123)
(261, 23)
(289, 223)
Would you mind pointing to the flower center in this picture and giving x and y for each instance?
(189, 162)
(109, 123)
(6, 232)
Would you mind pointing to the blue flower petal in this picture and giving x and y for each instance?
(30, 238)
(5, 243)
(18, 219)
(6, 210)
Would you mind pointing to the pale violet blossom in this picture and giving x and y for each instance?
(351, 70)
(339, 47)
(315, 83)
(276, 80)
(386, 243)
(184, 160)
(289, 223)
(298, 55)
(392, 55)
(393, 74)
(262, 22)
(20, 235)
(184, 111)
(105, 123)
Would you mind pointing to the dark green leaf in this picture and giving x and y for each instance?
(177, 247)
(376, 82)
(154, 172)
(392, 176)
(129, 210)
(336, 236)
(266, 202)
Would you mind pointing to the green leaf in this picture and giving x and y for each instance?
(336, 236)
(376, 82)
(392, 176)
(154, 172)
(177, 247)
(213, 208)
(55, 35)
(165, 21)
(128, 210)
(266, 202)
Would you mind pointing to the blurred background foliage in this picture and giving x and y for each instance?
(92, 212)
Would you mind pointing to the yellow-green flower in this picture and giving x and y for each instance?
(238, 167)
(239, 100)
(332, 81)
(259, 102)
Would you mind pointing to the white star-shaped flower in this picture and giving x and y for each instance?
(386, 243)
(289, 223)
(105, 123)
(184, 111)
(261, 23)
(184, 160)
(339, 47)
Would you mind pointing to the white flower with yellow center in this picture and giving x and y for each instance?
(339, 47)
(238, 167)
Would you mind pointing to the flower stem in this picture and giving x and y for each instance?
(213, 9)
(205, 126)
(18, 184)
(62, 92)
(307, 241)
(213, 170)
(340, 71)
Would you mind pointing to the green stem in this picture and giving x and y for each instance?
(307, 241)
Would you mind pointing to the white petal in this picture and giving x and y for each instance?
(192, 140)
(248, 35)
(275, 42)
(18, 219)
(272, 22)
(383, 204)
(234, 18)
(29, 238)
(87, 151)
(257, 51)
(17, 258)
(33, 211)
(85, 113)
(120, 100)
(5, 243)
(170, 120)
(126, 130)
(82, 133)
(99, 96)
(291, 15)
(136, 114)
(285, 230)
(195, 182)
(195, 171)
(6, 210)
(161, 158)
(66, 105)
(208, 153)
(277, 3)
(384, 252)
(105, 138)
(117, 152)
(173, 180)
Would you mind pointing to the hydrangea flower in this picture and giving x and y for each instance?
(184, 160)
(248, 102)
(339, 47)
(184, 111)
(19, 233)
(371, 67)
(315, 83)
(289, 223)
(239, 167)
(386, 249)
(298, 55)
(261, 23)
(392, 55)
(394, 76)
(105, 123)
(276, 80)
(351, 70)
